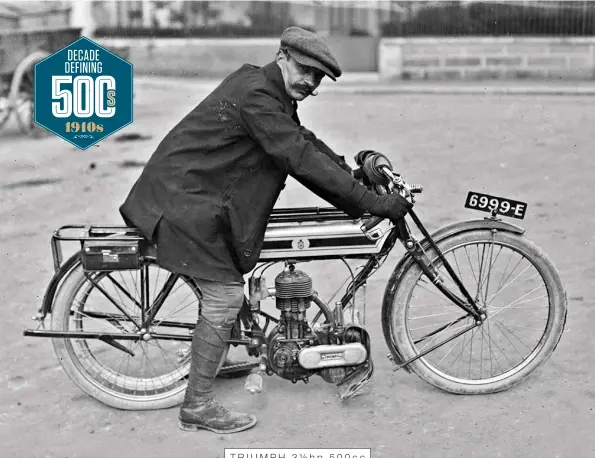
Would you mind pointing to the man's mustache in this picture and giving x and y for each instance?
(311, 91)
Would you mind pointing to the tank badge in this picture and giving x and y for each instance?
(300, 244)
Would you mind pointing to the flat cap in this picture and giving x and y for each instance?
(311, 50)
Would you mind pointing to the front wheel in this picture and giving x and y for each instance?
(521, 292)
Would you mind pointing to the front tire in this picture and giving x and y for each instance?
(526, 312)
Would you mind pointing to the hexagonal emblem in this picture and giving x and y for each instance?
(83, 93)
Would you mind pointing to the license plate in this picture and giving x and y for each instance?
(502, 206)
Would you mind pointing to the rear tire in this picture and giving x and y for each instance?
(108, 374)
(411, 310)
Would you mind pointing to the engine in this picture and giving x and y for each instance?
(295, 350)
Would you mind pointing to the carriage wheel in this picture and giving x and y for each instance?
(4, 110)
(20, 98)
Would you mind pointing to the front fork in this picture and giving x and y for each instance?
(418, 254)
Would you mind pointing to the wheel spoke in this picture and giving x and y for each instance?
(506, 279)
(489, 341)
(155, 372)
(501, 309)
(470, 264)
(491, 266)
(427, 290)
(512, 333)
(510, 283)
(481, 262)
(428, 316)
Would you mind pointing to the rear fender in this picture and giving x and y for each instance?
(50, 292)
(438, 236)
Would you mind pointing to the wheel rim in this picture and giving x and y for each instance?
(515, 295)
(4, 110)
(22, 90)
(159, 368)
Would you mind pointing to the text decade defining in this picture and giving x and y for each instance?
(83, 61)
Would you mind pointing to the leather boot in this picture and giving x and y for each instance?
(212, 416)
(199, 410)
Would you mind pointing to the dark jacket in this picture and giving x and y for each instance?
(214, 179)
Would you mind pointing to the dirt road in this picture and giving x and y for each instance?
(533, 149)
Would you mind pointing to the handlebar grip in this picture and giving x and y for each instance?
(372, 167)
(416, 188)
(372, 222)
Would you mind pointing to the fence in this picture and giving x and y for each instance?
(204, 19)
(485, 18)
(376, 18)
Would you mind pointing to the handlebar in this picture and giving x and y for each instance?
(395, 183)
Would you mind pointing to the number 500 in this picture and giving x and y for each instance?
(83, 88)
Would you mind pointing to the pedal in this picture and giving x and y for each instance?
(351, 385)
(237, 370)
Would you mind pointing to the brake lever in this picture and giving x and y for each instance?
(396, 181)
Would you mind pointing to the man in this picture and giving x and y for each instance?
(207, 192)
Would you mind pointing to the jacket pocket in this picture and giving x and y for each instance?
(246, 231)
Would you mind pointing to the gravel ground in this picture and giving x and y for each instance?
(535, 149)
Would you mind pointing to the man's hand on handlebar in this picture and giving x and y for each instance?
(361, 176)
(376, 170)
(392, 206)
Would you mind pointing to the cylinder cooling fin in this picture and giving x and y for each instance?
(293, 285)
(292, 288)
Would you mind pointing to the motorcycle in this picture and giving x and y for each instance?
(473, 308)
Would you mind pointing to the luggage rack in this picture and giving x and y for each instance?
(83, 233)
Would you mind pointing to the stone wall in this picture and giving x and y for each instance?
(487, 58)
(393, 58)
(218, 57)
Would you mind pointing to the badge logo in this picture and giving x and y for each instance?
(300, 244)
(83, 93)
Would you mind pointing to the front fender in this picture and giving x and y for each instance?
(458, 228)
(474, 224)
(438, 235)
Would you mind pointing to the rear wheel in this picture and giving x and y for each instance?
(156, 376)
(526, 312)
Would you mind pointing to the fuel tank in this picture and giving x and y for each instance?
(319, 233)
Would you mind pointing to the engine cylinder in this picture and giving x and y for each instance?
(292, 288)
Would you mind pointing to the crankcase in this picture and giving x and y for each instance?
(322, 356)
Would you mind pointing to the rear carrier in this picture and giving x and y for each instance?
(102, 248)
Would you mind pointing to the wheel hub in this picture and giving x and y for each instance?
(483, 313)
